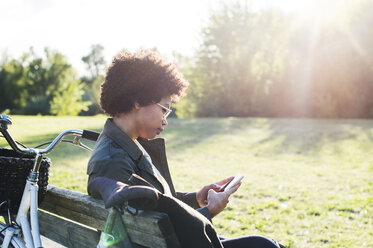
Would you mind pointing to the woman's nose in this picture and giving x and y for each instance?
(164, 122)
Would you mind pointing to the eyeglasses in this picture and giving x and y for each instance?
(166, 111)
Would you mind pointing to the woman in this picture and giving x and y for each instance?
(137, 94)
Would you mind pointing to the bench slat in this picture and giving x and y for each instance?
(149, 229)
(75, 206)
(67, 233)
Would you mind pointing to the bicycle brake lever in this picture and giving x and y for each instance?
(77, 142)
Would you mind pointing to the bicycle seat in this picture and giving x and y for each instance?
(5, 121)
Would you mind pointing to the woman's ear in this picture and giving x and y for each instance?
(137, 106)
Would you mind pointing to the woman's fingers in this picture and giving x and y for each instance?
(224, 181)
(217, 201)
(202, 194)
(233, 189)
(214, 186)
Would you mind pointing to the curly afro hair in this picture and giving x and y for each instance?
(142, 77)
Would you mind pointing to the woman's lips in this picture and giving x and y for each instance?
(159, 130)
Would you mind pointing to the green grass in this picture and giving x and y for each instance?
(308, 183)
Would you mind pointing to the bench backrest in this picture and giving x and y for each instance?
(74, 219)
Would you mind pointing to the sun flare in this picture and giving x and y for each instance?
(324, 12)
(319, 19)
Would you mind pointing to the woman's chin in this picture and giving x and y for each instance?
(149, 137)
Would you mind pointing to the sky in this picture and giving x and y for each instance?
(72, 26)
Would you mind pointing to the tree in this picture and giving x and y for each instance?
(95, 61)
(332, 76)
(96, 64)
(30, 85)
(267, 63)
(68, 101)
(13, 92)
(237, 62)
(47, 78)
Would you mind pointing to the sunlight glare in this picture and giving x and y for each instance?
(316, 16)
(324, 12)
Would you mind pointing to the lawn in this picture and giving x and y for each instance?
(308, 183)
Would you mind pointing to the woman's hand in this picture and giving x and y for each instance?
(217, 201)
(202, 194)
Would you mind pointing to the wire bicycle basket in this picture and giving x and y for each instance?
(14, 169)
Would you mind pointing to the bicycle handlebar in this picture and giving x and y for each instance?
(90, 135)
(14, 145)
(6, 120)
(58, 139)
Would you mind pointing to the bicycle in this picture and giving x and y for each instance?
(24, 231)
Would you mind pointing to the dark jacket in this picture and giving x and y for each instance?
(117, 157)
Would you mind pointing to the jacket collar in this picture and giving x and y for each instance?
(155, 148)
(112, 131)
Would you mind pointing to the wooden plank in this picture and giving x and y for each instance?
(91, 212)
(150, 229)
(146, 221)
(138, 237)
(75, 206)
(67, 233)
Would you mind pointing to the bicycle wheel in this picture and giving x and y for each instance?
(15, 243)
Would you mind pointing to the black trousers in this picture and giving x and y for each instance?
(251, 241)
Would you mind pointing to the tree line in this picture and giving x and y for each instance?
(276, 64)
(264, 63)
(49, 85)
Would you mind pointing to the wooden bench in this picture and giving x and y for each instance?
(74, 219)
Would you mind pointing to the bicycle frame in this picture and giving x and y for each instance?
(29, 201)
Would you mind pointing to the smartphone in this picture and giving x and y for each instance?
(232, 183)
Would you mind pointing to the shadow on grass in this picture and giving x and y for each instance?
(295, 135)
(307, 135)
(186, 132)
